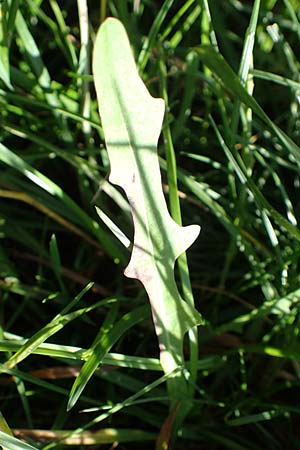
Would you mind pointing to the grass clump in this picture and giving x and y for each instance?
(229, 74)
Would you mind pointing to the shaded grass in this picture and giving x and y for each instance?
(235, 138)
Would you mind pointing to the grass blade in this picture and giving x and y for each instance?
(104, 341)
(176, 214)
(51, 328)
(152, 35)
(11, 443)
(220, 67)
(14, 161)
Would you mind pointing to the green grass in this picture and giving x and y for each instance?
(229, 73)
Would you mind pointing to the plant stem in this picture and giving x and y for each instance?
(176, 215)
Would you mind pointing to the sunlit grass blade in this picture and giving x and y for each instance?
(247, 55)
(37, 65)
(44, 385)
(13, 160)
(130, 400)
(210, 199)
(78, 355)
(293, 13)
(114, 228)
(4, 428)
(101, 346)
(176, 18)
(243, 73)
(185, 26)
(260, 417)
(4, 45)
(188, 97)
(62, 30)
(53, 327)
(279, 183)
(275, 78)
(262, 202)
(152, 35)
(230, 80)
(12, 443)
(4, 425)
(276, 307)
(176, 214)
(56, 263)
(71, 112)
(84, 67)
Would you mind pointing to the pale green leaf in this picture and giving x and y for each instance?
(132, 121)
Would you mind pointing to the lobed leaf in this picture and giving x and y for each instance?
(132, 121)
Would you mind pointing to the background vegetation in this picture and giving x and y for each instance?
(238, 175)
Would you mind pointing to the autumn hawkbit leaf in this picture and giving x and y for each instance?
(132, 121)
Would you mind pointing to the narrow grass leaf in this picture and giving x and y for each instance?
(221, 68)
(36, 102)
(16, 162)
(78, 354)
(192, 63)
(4, 425)
(130, 400)
(274, 78)
(11, 443)
(185, 25)
(247, 55)
(175, 19)
(209, 198)
(254, 418)
(63, 31)
(51, 328)
(291, 352)
(246, 80)
(56, 263)
(104, 341)
(51, 387)
(35, 60)
(4, 45)
(176, 215)
(152, 35)
(279, 183)
(292, 9)
(113, 228)
(261, 201)
(279, 307)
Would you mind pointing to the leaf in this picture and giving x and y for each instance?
(53, 327)
(67, 203)
(4, 425)
(231, 81)
(132, 121)
(11, 443)
(108, 335)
